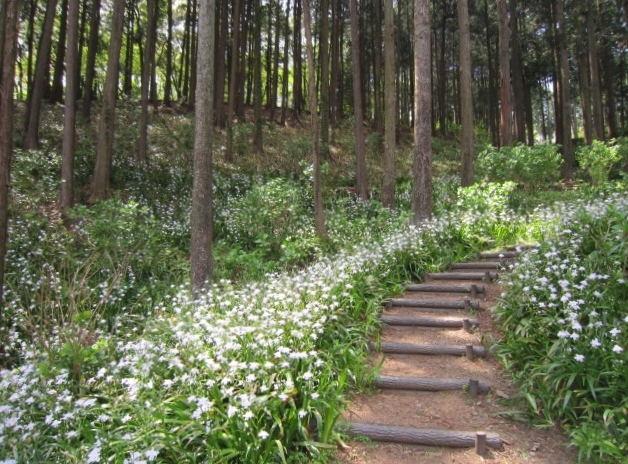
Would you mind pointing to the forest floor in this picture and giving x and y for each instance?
(496, 412)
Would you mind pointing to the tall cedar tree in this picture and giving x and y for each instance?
(36, 93)
(596, 93)
(92, 51)
(8, 46)
(233, 80)
(567, 149)
(101, 183)
(202, 226)
(422, 166)
(319, 212)
(358, 112)
(505, 125)
(466, 94)
(390, 96)
(69, 116)
(146, 72)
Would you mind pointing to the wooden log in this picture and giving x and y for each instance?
(480, 443)
(411, 348)
(421, 436)
(523, 246)
(498, 254)
(469, 352)
(476, 265)
(427, 321)
(445, 288)
(462, 276)
(467, 323)
(474, 387)
(445, 304)
(428, 384)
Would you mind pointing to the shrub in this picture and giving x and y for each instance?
(598, 159)
(530, 166)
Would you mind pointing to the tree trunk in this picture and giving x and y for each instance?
(390, 110)
(466, 94)
(257, 77)
(505, 125)
(202, 210)
(285, 70)
(169, 70)
(101, 185)
(596, 93)
(33, 114)
(56, 92)
(360, 149)
(127, 82)
(297, 90)
(517, 76)
(69, 116)
(90, 66)
(608, 65)
(567, 150)
(492, 101)
(8, 46)
(422, 166)
(319, 212)
(336, 58)
(324, 57)
(142, 153)
(442, 73)
(233, 79)
(221, 65)
(378, 98)
(30, 41)
(585, 89)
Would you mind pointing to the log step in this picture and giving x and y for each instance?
(428, 321)
(476, 265)
(523, 246)
(498, 254)
(421, 436)
(472, 289)
(489, 276)
(425, 384)
(444, 304)
(411, 348)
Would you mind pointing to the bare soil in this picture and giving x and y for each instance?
(495, 412)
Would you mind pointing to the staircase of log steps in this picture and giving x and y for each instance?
(444, 301)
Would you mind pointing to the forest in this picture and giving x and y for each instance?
(203, 206)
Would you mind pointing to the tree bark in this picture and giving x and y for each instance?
(360, 149)
(101, 184)
(233, 79)
(221, 65)
(324, 57)
(142, 152)
(90, 66)
(422, 166)
(8, 43)
(517, 76)
(202, 227)
(466, 94)
(169, 70)
(585, 89)
(257, 79)
(285, 70)
(492, 100)
(69, 116)
(390, 110)
(319, 212)
(505, 125)
(33, 114)
(297, 83)
(567, 150)
(56, 91)
(594, 70)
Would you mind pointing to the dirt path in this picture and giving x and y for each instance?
(493, 412)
